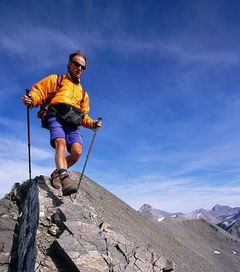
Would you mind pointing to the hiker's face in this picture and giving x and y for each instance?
(76, 66)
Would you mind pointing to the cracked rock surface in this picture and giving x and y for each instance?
(96, 232)
(83, 242)
(8, 219)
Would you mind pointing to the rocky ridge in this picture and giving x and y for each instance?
(94, 232)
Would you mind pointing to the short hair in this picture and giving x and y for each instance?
(77, 53)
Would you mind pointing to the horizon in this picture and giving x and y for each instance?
(163, 75)
(199, 208)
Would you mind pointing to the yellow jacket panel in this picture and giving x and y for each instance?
(68, 93)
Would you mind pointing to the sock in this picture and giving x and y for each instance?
(62, 171)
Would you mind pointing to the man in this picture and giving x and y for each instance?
(66, 97)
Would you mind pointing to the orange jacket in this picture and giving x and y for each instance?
(69, 93)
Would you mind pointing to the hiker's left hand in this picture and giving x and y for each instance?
(27, 100)
(98, 123)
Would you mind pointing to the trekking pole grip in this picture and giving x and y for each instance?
(27, 93)
(98, 120)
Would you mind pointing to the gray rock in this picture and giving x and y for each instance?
(94, 232)
(8, 224)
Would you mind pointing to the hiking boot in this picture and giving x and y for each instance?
(68, 186)
(55, 180)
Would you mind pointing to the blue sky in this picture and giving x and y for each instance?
(164, 76)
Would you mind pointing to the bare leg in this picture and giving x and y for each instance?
(60, 155)
(62, 178)
(76, 151)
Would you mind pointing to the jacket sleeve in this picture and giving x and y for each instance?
(43, 89)
(87, 122)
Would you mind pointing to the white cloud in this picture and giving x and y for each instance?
(176, 195)
(14, 162)
(13, 171)
(40, 43)
(178, 48)
(36, 44)
(13, 148)
(6, 87)
(12, 123)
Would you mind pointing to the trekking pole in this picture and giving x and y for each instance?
(89, 151)
(29, 139)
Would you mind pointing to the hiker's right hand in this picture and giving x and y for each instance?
(27, 100)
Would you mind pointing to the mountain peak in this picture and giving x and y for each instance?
(145, 207)
(217, 207)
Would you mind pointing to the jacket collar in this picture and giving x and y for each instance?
(73, 79)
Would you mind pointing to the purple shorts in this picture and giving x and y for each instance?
(57, 130)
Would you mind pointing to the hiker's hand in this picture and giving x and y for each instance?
(98, 124)
(27, 100)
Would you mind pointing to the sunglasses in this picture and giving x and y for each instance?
(77, 64)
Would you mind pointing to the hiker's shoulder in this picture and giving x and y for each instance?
(48, 80)
(51, 77)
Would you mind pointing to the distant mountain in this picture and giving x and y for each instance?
(216, 215)
(196, 231)
(224, 216)
(158, 215)
(232, 224)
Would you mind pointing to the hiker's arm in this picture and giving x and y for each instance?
(41, 90)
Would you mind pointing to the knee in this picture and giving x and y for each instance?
(60, 145)
(76, 152)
